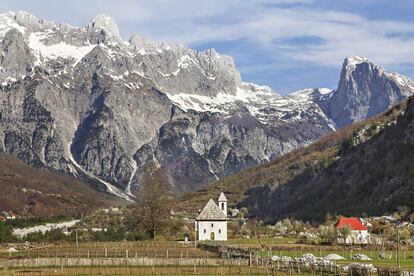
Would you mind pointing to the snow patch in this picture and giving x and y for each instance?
(352, 61)
(185, 61)
(7, 23)
(325, 91)
(128, 187)
(261, 102)
(22, 232)
(402, 81)
(59, 50)
(109, 187)
(8, 80)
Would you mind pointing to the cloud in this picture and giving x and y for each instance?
(272, 26)
(339, 34)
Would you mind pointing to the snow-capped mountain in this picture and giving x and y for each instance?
(364, 90)
(83, 101)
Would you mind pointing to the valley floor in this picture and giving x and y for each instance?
(179, 258)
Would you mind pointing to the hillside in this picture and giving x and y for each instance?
(30, 191)
(365, 167)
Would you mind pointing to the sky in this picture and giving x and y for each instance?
(286, 44)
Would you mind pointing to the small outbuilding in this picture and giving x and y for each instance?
(8, 215)
(211, 223)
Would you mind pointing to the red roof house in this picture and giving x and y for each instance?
(359, 233)
(352, 223)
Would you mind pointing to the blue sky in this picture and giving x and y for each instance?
(286, 44)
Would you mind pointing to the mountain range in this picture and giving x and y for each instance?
(83, 101)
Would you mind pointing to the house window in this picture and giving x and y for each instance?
(212, 225)
(222, 206)
(219, 231)
(205, 231)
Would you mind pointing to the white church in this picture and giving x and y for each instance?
(211, 223)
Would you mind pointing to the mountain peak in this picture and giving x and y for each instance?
(20, 20)
(364, 91)
(107, 23)
(351, 61)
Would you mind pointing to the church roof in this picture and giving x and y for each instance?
(222, 197)
(211, 212)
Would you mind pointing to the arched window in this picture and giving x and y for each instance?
(205, 231)
(212, 225)
(222, 206)
(219, 231)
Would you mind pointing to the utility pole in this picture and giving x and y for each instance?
(195, 233)
(398, 248)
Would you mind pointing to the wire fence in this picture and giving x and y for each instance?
(167, 257)
(113, 250)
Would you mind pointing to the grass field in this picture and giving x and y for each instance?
(289, 247)
(266, 241)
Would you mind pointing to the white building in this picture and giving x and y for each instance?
(358, 233)
(211, 223)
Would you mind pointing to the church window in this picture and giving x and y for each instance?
(222, 206)
(212, 225)
(205, 231)
(219, 231)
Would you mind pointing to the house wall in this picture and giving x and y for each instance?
(356, 237)
(205, 228)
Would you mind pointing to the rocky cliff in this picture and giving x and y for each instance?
(364, 90)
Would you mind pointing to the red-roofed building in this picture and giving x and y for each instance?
(358, 232)
(2, 218)
(9, 215)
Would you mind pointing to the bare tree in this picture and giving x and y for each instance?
(327, 233)
(153, 209)
(345, 231)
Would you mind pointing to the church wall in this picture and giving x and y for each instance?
(219, 228)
